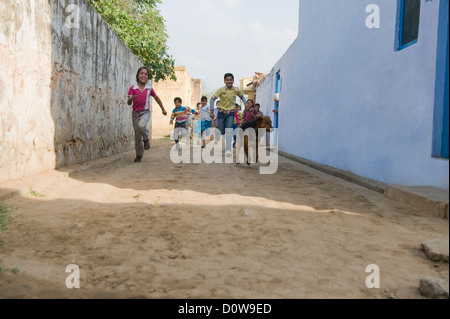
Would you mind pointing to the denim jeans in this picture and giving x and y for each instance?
(234, 134)
(225, 125)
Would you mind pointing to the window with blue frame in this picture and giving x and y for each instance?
(408, 24)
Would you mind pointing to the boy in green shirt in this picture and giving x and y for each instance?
(225, 116)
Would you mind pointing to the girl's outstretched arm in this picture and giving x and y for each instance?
(158, 100)
(131, 98)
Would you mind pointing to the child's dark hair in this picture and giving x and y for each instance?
(257, 104)
(140, 69)
(204, 98)
(178, 99)
(227, 75)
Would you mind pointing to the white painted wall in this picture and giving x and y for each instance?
(350, 101)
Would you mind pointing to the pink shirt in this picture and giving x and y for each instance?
(250, 115)
(142, 102)
(236, 118)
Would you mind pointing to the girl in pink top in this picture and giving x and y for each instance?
(139, 95)
(250, 111)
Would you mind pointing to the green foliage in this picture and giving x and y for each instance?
(164, 138)
(141, 27)
(5, 218)
(35, 193)
(14, 270)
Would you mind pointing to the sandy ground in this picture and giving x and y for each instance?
(163, 230)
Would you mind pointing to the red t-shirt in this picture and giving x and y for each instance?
(250, 115)
(142, 102)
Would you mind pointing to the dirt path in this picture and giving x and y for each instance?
(163, 230)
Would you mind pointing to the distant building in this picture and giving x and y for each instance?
(366, 98)
(249, 84)
(187, 88)
(246, 87)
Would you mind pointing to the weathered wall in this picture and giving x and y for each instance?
(26, 124)
(62, 90)
(349, 100)
(188, 89)
(196, 85)
(92, 72)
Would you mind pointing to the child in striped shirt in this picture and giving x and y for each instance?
(180, 115)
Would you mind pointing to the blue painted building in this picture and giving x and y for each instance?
(364, 88)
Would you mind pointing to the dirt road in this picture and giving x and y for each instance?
(163, 230)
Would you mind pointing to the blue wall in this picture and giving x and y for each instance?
(350, 100)
(441, 108)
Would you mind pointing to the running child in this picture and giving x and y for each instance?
(250, 112)
(139, 95)
(180, 115)
(206, 119)
(225, 117)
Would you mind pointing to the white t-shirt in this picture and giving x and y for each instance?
(205, 113)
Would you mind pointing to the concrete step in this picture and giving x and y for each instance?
(430, 200)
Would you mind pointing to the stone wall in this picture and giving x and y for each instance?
(26, 125)
(63, 87)
(92, 72)
(196, 85)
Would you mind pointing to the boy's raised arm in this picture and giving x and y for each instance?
(211, 105)
(211, 102)
(242, 97)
